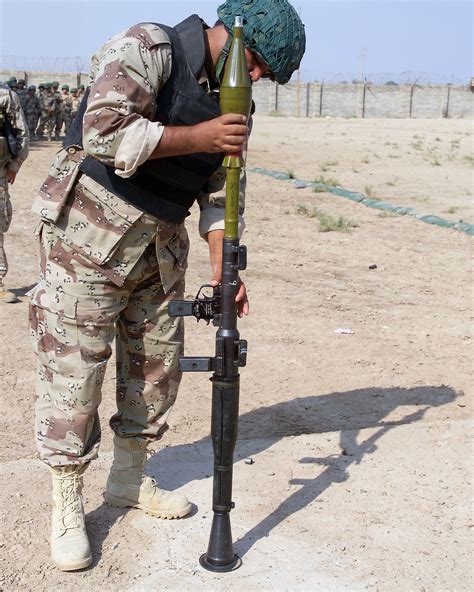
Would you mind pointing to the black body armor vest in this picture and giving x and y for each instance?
(166, 187)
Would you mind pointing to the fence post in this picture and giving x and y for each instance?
(363, 97)
(446, 111)
(276, 97)
(321, 100)
(412, 92)
(308, 95)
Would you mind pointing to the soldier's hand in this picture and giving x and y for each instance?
(242, 300)
(226, 133)
(215, 241)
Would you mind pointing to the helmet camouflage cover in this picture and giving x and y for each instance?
(273, 29)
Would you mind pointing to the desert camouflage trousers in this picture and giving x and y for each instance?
(75, 315)
(5, 220)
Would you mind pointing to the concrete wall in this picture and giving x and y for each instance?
(329, 100)
(359, 100)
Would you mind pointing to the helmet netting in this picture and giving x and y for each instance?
(273, 29)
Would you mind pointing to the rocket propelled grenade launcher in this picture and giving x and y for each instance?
(231, 351)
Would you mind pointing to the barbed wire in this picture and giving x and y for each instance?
(74, 64)
(44, 64)
(408, 77)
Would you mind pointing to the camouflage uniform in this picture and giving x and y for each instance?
(32, 111)
(22, 92)
(67, 109)
(75, 102)
(46, 122)
(10, 108)
(58, 111)
(107, 269)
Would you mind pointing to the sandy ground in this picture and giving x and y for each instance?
(361, 441)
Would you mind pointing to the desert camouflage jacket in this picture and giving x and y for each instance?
(10, 105)
(118, 129)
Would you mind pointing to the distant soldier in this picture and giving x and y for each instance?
(76, 101)
(22, 92)
(13, 151)
(58, 110)
(67, 107)
(31, 108)
(46, 124)
(13, 83)
(80, 91)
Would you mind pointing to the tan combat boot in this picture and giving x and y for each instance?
(127, 484)
(70, 548)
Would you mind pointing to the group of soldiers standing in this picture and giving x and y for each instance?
(48, 110)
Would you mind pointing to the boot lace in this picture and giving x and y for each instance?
(70, 504)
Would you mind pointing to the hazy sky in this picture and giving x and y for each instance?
(344, 38)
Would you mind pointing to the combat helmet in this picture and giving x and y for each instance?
(65, 87)
(32, 87)
(272, 29)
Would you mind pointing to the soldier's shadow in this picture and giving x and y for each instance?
(346, 412)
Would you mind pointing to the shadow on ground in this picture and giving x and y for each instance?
(346, 412)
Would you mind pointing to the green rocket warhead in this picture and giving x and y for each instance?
(235, 97)
(236, 87)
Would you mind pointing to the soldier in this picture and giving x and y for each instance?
(80, 91)
(58, 110)
(13, 152)
(113, 245)
(76, 101)
(67, 107)
(13, 84)
(32, 110)
(46, 123)
(22, 91)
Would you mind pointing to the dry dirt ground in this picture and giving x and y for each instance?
(361, 441)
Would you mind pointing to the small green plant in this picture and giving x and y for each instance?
(369, 191)
(354, 170)
(327, 165)
(435, 162)
(365, 160)
(327, 223)
(392, 183)
(469, 158)
(304, 210)
(417, 145)
(291, 174)
(452, 210)
(437, 139)
(276, 114)
(327, 181)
